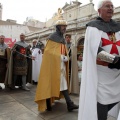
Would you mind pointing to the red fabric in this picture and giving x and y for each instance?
(22, 50)
(114, 49)
(9, 42)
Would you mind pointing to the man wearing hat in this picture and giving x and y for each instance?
(53, 79)
(19, 70)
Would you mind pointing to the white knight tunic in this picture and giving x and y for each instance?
(36, 64)
(98, 83)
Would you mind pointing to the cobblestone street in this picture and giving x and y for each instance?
(19, 105)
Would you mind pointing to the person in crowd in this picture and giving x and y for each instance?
(68, 44)
(53, 78)
(30, 46)
(100, 83)
(20, 65)
(4, 58)
(79, 62)
(41, 46)
(34, 42)
(36, 64)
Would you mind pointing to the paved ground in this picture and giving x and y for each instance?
(19, 105)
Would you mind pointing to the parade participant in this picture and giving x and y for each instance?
(4, 58)
(20, 65)
(73, 71)
(79, 62)
(30, 46)
(68, 44)
(53, 78)
(36, 64)
(34, 44)
(100, 84)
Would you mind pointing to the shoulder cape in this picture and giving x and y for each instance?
(57, 37)
(100, 24)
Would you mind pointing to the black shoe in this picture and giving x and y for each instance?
(12, 87)
(0, 87)
(71, 106)
(49, 109)
(34, 83)
(48, 103)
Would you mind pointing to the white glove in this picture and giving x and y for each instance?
(64, 58)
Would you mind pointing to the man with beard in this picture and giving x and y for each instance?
(53, 79)
(4, 57)
(19, 68)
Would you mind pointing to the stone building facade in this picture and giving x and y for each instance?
(77, 16)
(11, 29)
(34, 23)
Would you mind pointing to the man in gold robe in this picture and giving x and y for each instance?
(53, 79)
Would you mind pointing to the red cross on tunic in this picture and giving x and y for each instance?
(114, 49)
(23, 50)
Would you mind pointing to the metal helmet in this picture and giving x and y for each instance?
(60, 20)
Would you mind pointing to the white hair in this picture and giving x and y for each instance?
(101, 2)
(34, 40)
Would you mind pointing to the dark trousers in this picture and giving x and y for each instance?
(65, 94)
(102, 110)
(69, 69)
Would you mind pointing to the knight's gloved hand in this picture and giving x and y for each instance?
(64, 58)
(115, 64)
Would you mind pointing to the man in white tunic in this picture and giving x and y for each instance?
(100, 84)
(36, 64)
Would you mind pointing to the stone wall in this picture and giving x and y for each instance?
(13, 31)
